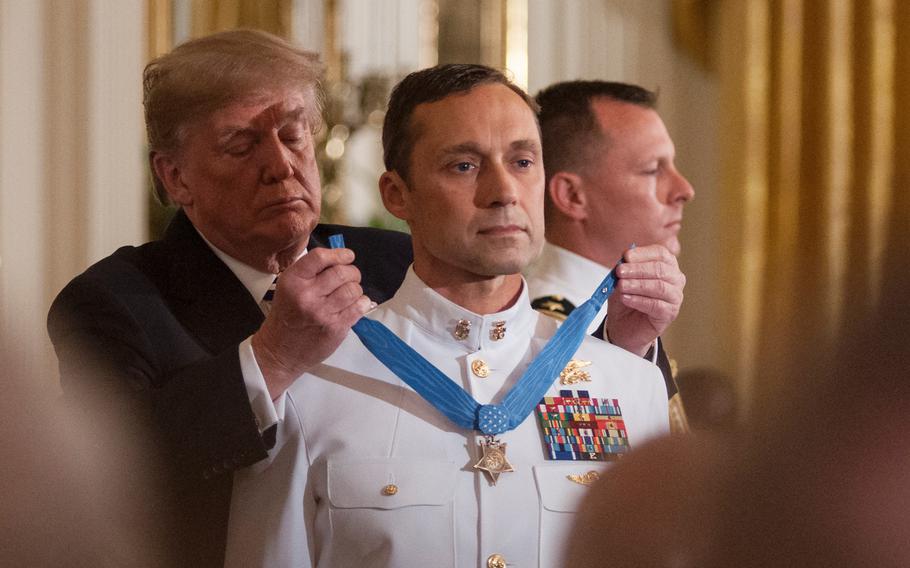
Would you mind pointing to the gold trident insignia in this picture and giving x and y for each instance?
(585, 478)
(573, 373)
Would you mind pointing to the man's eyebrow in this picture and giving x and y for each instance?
(295, 114)
(473, 148)
(227, 133)
(230, 131)
(526, 144)
(658, 156)
(463, 148)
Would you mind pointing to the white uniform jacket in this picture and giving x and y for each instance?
(561, 272)
(365, 472)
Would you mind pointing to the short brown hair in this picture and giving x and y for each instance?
(570, 134)
(427, 86)
(203, 75)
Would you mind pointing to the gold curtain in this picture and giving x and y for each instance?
(816, 129)
(160, 27)
(218, 15)
(209, 16)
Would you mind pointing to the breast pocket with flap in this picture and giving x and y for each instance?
(563, 488)
(391, 512)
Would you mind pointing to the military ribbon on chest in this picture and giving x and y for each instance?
(578, 427)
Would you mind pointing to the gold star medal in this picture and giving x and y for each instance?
(494, 459)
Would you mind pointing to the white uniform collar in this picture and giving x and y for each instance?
(439, 316)
(255, 281)
(577, 276)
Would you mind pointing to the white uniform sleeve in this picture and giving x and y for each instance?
(272, 505)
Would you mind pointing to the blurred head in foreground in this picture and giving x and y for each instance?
(818, 480)
(64, 502)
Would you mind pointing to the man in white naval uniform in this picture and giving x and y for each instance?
(611, 181)
(367, 472)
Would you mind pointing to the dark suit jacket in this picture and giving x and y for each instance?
(156, 329)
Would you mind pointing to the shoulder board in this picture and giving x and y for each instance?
(554, 306)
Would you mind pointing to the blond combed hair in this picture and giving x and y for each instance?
(203, 75)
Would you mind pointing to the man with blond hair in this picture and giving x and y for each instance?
(194, 333)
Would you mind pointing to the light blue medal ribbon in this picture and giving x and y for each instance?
(452, 400)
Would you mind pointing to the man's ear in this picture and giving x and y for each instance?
(567, 194)
(393, 190)
(169, 173)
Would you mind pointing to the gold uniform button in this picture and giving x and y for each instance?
(496, 561)
(390, 489)
(480, 369)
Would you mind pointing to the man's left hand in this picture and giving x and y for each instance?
(647, 298)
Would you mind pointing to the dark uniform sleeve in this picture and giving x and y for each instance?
(663, 362)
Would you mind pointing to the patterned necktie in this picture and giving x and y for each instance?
(266, 303)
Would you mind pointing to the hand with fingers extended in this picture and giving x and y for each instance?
(317, 300)
(647, 297)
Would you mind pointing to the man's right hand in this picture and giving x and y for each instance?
(647, 299)
(317, 300)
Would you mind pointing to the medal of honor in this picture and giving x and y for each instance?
(493, 462)
(457, 405)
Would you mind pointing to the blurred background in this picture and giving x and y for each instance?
(791, 119)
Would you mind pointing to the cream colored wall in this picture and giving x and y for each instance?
(72, 170)
(72, 178)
